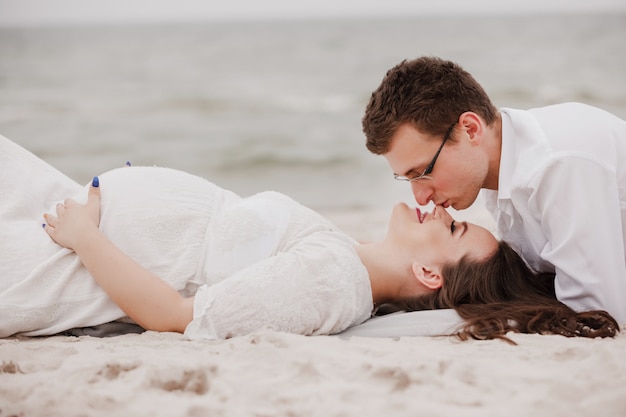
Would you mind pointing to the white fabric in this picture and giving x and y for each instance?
(562, 200)
(290, 269)
(258, 262)
(414, 323)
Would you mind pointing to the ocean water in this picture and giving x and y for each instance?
(277, 104)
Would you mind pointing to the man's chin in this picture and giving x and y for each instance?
(460, 205)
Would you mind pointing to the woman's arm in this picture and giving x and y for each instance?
(143, 296)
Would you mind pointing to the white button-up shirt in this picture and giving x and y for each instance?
(561, 200)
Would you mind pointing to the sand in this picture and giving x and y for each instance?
(277, 374)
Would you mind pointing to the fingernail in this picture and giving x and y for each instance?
(43, 225)
(127, 163)
(95, 182)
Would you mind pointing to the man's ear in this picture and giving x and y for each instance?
(472, 124)
(429, 277)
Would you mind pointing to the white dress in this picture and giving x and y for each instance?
(262, 262)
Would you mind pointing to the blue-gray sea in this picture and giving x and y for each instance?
(257, 105)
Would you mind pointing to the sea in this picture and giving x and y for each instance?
(277, 105)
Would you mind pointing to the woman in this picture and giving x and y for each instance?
(177, 253)
(500, 294)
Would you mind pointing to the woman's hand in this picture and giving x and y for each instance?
(74, 223)
(143, 296)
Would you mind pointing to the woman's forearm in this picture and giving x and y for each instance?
(142, 295)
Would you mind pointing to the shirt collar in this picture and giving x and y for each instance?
(507, 157)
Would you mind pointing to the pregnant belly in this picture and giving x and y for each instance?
(158, 217)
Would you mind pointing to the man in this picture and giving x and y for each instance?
(554, 178)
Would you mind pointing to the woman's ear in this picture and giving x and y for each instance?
(428, 276)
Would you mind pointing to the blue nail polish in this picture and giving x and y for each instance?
(95, 182)
(127, 163)
(43, 225)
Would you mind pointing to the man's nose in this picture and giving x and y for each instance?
(422, 193)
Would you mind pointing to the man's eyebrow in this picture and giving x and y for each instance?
(413, 170)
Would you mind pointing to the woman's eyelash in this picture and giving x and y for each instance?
(452, 226)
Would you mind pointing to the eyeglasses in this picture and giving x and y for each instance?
(431, 165)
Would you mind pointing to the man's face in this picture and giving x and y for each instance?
(457, 176)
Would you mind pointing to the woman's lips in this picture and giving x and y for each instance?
(420, 216)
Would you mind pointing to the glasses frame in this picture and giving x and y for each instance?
(431, 165)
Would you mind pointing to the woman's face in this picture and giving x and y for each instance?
(436, 238)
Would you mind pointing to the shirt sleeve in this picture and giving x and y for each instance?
(316, 287)
(577, 202)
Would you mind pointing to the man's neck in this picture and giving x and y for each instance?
(493, 141)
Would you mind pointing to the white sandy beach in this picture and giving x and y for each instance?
(275, 374)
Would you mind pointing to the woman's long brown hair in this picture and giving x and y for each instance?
(501, 294)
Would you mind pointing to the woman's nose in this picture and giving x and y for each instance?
(439, 212)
